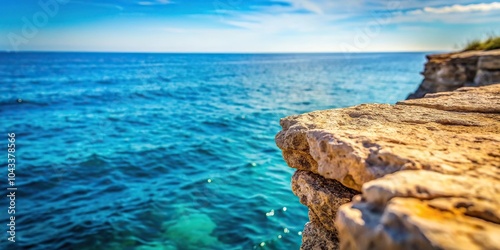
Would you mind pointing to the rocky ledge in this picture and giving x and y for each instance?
(448, 72)
(421, 174)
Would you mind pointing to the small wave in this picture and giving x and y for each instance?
(94, 160)
(106, 81)
(18, 102)
(164, 79)
(141, 95)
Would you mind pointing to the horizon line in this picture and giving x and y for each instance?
(223, 52)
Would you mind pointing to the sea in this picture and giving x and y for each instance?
(169, 151)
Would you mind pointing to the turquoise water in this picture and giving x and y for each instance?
(170, 151)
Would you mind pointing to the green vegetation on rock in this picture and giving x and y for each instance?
(490, 43)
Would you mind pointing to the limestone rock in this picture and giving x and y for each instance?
(322, 196)
(464, 100)
(423, 210)
(428, 170)
(486, 77)
(448, 72)
(356, 145)
(317, 238)
(490, 62)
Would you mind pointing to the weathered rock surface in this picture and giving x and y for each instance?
(462, 100)
(428, 170)
(423, 210)
(448, 72)
(322, 196)
(362, 143)
(316, 237)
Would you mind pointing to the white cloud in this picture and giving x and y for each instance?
(481, 13)
(323, 6)
(157, 2)
(482, 7)
(457, 8)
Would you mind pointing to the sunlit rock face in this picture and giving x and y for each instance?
(423, 210)
(428, 171)
(448, 72)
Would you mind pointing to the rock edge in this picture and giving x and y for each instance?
(428, 170)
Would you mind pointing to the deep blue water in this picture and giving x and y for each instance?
(170, 151)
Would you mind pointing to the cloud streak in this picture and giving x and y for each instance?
(296, 16)
(100, 5)
(157, 2)
(482, 7)
(480, 13)
(307, 5)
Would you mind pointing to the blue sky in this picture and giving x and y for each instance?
(244, 25)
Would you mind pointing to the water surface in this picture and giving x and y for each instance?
(171, 151)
